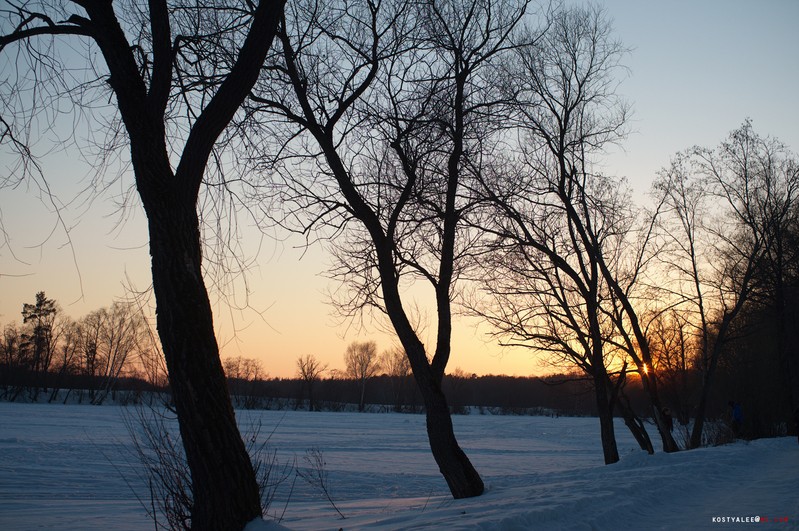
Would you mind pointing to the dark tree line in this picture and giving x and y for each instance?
(108, 354)
(561, 395)
(50, 353)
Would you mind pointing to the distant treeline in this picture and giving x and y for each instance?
(111, 354)
(564, 394)
(554, 395)
(557, 395)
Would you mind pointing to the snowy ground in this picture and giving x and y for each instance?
(67, 467)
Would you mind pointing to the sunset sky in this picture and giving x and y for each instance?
(697, 71)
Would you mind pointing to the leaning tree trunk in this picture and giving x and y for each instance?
(223, 482)
(635, 425)
(459, 473)
(669, 444)
(619, 400)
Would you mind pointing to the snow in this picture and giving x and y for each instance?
(70, 467)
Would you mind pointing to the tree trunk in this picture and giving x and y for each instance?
(649, 383)
(699, 420)
(619, 400)
(459, 473)
(635, 426)
(223, 482)
(669, 444)
(789, 347)
(362, 400)
(461, 477)
(603, 389)
(605, 413)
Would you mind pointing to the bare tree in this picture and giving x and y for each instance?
(545, 289)
(177, 74)
(570, 117)
(628, 310)
(362, 364)
(564, 232)
(395, 103)
(394, 363)
(242, 368)
(89, 333)
(540, 297)
(310, 371)
(726, 208)
(243, 376)
(674, 347)
(151, 359)
(767, 173)
(121, 336)
(67, 360)
(12, 363)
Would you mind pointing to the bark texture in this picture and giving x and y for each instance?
(224, 488)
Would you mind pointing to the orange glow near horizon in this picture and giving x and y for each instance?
(93, 251)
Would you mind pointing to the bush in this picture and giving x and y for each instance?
(158, 448)
(716, 433)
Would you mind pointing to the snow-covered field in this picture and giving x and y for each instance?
(68, 467)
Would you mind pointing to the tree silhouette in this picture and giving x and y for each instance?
(41, 316)
(729, 213)
(361, 364)
(177, 74)
(310, 371)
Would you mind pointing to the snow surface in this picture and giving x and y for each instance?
(70, 467)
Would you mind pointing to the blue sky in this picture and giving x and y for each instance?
(698, 69)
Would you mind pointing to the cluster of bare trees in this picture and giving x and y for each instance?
(434, 144)
(729, 226)
(588, 280)
(361, 363)
(244, 376)
(558, 266)
(310, 370)
(51, 352)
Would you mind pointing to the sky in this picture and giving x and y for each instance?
(697, 70)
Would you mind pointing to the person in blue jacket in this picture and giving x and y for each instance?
(737, 417)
